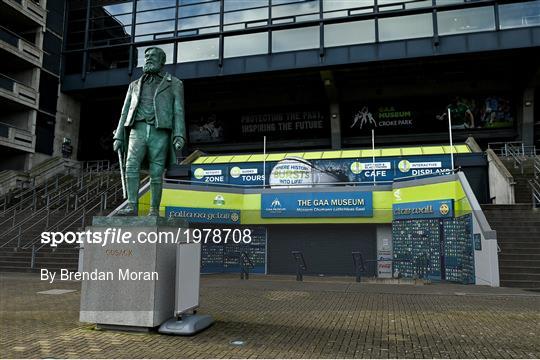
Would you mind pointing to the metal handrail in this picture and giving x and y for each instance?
(514, 153)
(536, 165)
(102, 198)
(80, 180)
(516, 147)
(102, 203)
(67, 186)
(59, 198)
(535, 192)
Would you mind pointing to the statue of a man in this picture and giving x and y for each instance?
(151, 126)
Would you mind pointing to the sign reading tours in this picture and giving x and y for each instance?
(328, 204)
(424, 210)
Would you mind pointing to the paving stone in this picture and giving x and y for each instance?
(281, 318)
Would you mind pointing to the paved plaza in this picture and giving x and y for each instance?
(277, 317)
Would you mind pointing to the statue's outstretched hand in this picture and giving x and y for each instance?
(117, 145)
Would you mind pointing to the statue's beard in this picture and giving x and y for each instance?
(151, 68)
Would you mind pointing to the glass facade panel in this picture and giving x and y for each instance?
(519, 15)
(405, 27)
(154, 28)
(154, 4)
(466, 20)
(156, 15)
(402, 4)
(108, 58)
(245, 16)
(231, 5)
(358, 32)
(302, 10)
(295, 39)
(139, 53)
(207, 49)
(245, 45)
(199, 23)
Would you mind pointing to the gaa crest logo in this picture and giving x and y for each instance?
(219, 200)
(444, 209)
(235, 217)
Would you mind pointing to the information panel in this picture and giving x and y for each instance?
(330, 204)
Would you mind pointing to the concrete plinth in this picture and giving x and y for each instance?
(141, 292)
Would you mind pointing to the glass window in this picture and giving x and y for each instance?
(245, 16)
(199, 9)
(168, 48)
(231, 5)
(295, 39)
(148, 16)
(201, 24)
(207, 49)
(245, 45)
(405, 27)
(154, 4)
(108, 58)
(466, 20)
(301, 10)
(519, 14)
(153, 28)
(358, 32)
(338, 8)
(385, 5)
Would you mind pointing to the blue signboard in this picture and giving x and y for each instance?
(360, 170)
(424, 210)
(246, 174)
(210, 173)
(329, 204)
(202, 215)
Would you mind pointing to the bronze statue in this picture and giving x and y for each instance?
(151, 126)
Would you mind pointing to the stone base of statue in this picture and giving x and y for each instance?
(128, 282)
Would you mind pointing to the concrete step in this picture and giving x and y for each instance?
(532, 246)
(520, 276)
(513, 255)
(505, 270)
(519, 263)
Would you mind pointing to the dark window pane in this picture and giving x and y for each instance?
(48, 92)
(110, 58)
(73, 63)
(44, 133)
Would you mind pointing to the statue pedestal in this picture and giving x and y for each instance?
(139, 289)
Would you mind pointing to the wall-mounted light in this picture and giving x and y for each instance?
(528, 103)
(334, 116)
(327, 82)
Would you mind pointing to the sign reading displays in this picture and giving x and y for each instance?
(424, 210)
(202, 215)
(329, 204)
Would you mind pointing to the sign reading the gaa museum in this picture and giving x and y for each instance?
(327, 204)
(202, 215)
(424, 210)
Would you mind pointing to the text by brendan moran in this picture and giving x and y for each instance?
(96, 275)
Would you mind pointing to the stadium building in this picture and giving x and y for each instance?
(323, 81)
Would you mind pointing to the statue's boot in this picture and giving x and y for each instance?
(156, 189)
(131, 209)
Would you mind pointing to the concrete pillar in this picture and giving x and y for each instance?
(527, 118)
